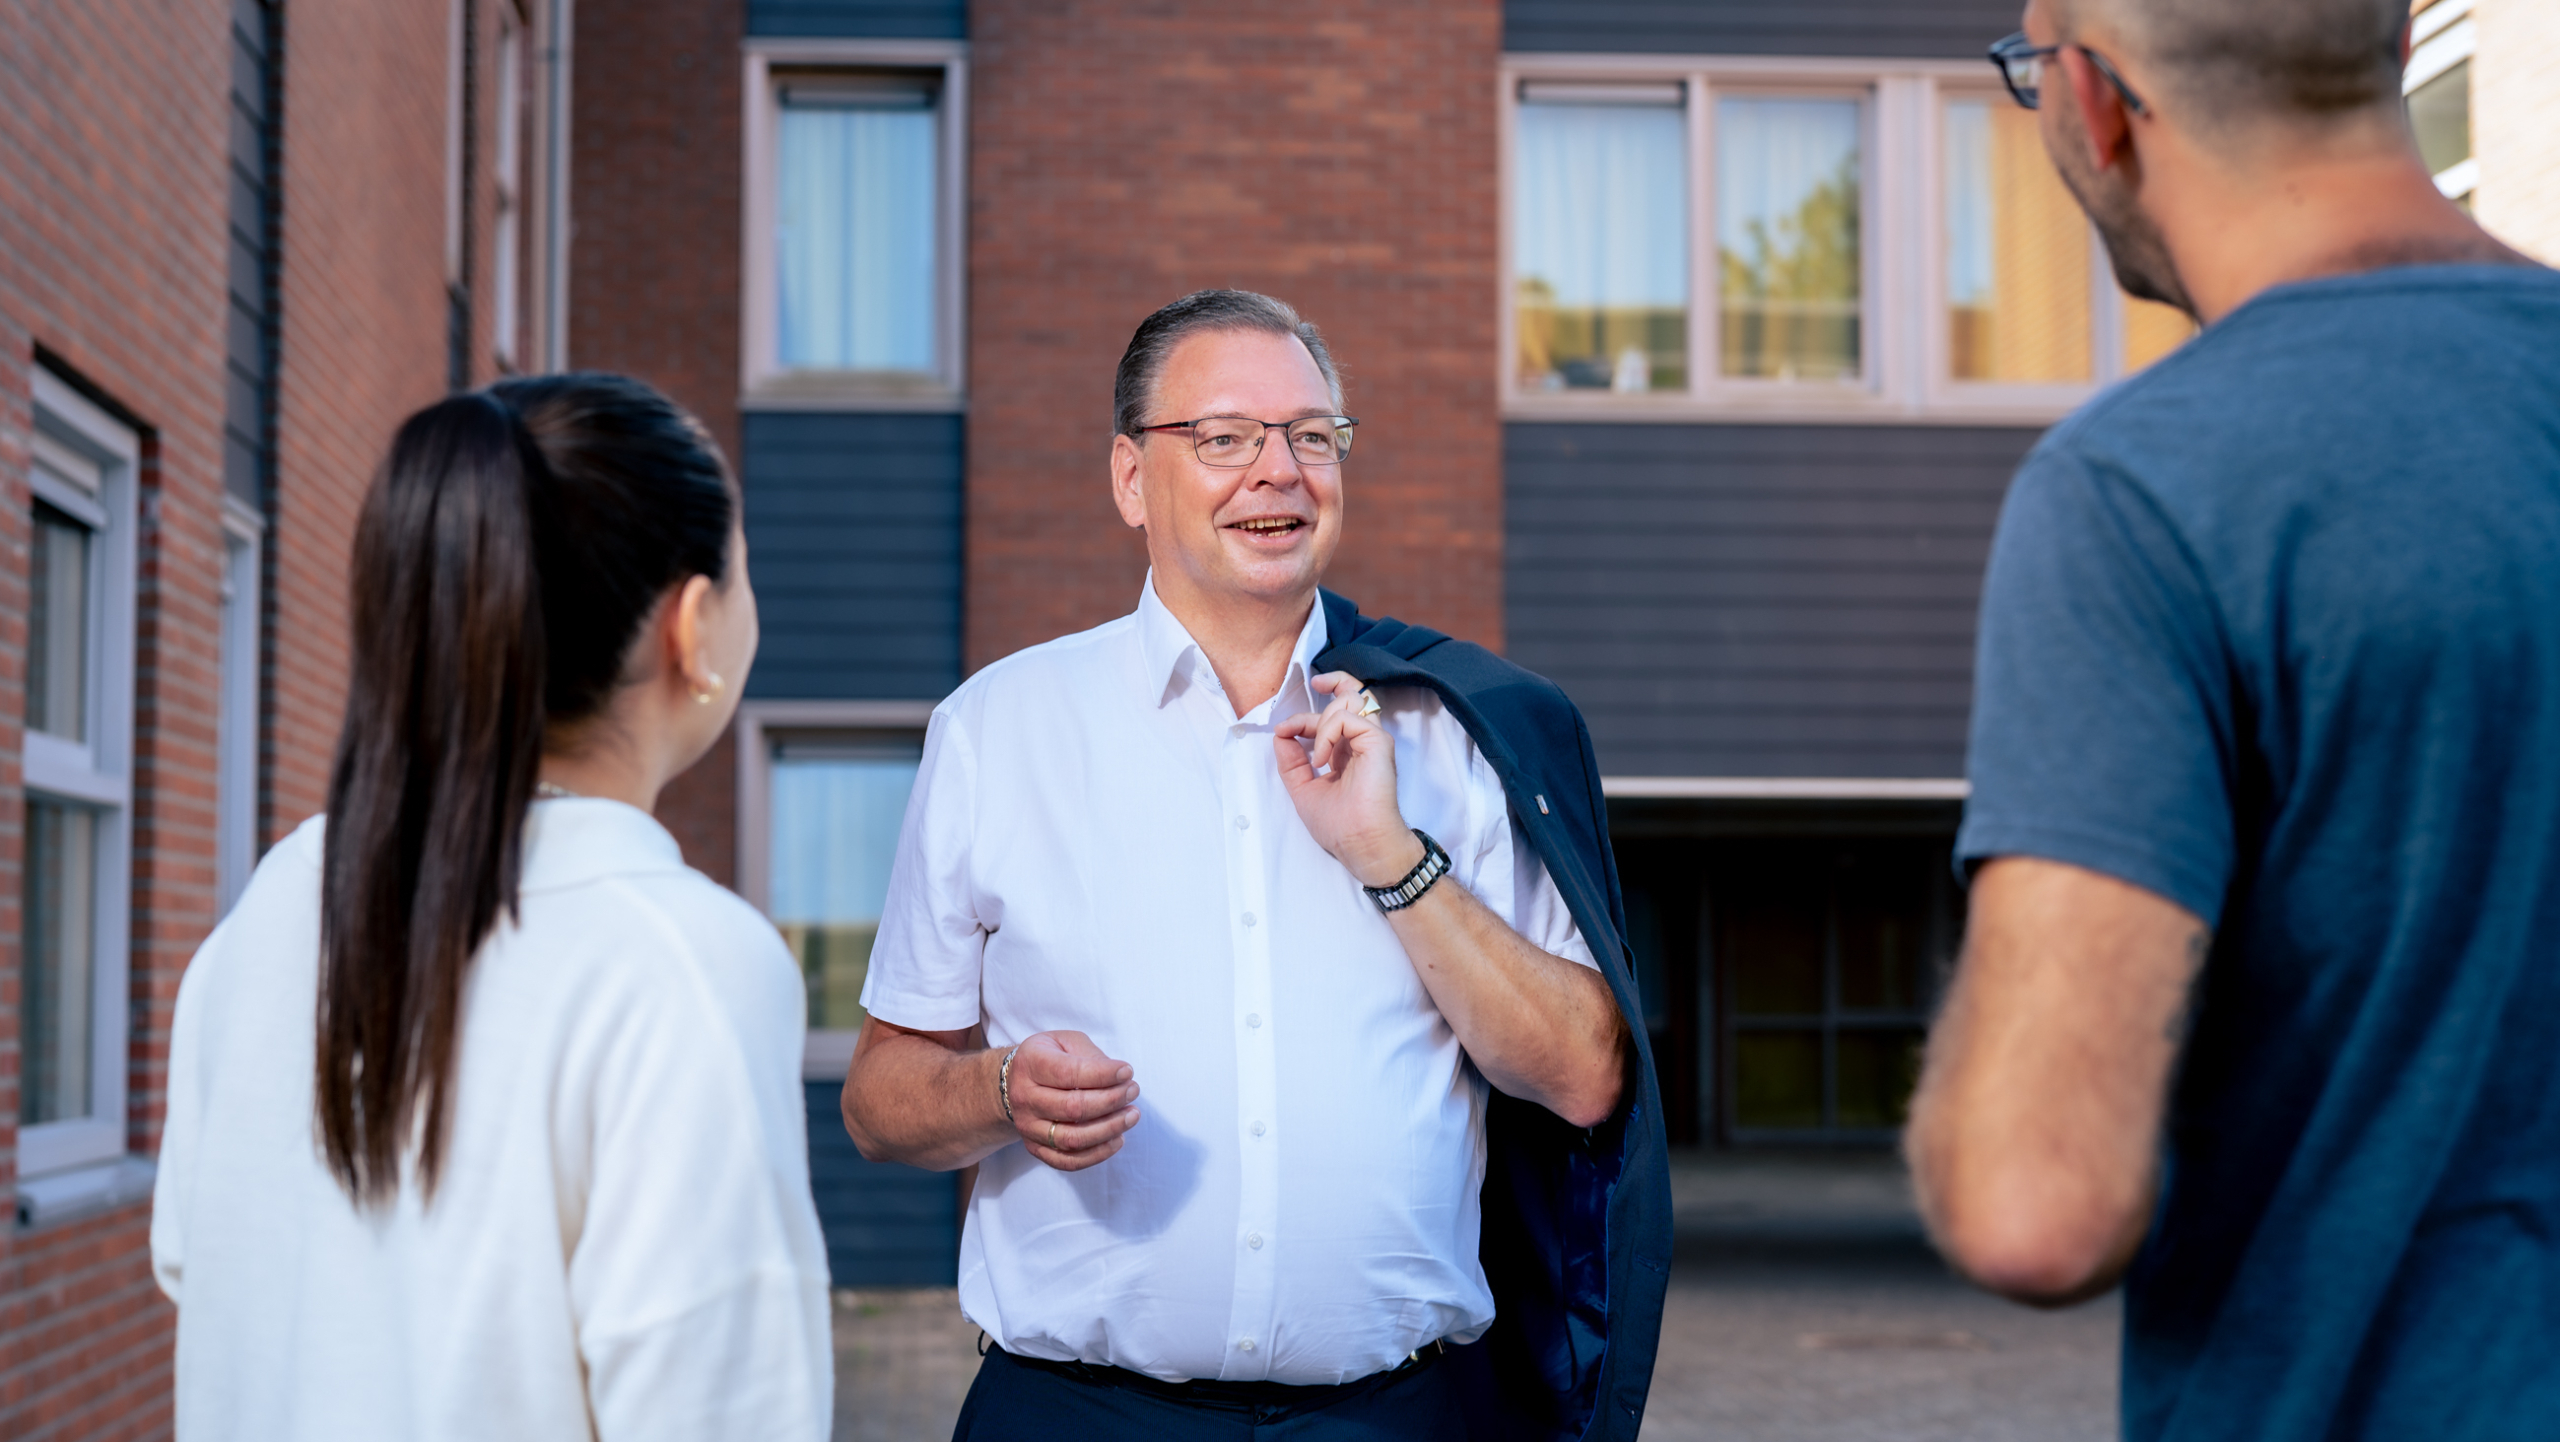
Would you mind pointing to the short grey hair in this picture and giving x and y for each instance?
(1142, 364)
(2257, 60)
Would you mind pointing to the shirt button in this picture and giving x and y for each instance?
(1253, 1240)
(1246, 1344)
(1253, 1019)
(1244, 823)
(1257, 1128)
(1248, 918)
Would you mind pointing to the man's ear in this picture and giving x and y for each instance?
(2102, 110)
(1126, 491)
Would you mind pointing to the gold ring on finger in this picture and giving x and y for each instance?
(1368, 702)
(1053, 1136)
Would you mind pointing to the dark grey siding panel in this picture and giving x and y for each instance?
(868, 19)
(1756, 600)
(885, 1225)
(1882, 29)
(854, 525)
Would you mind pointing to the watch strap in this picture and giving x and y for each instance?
(1426, 872)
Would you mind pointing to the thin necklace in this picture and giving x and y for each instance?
(552, 791)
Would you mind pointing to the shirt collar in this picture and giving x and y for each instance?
(570, 840)
(1170, 653)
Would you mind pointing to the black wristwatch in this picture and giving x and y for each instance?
(1433, 866)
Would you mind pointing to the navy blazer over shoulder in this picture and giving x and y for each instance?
(1577, 1222)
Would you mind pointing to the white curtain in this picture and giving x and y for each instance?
(1771, 155)
(835, 831)
(1969, 203)
(855, 274)
(1601, 211)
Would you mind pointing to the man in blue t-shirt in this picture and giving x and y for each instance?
(2259, 1013)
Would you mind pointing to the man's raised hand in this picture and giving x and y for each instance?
(1351, 808)
(1072, 1105)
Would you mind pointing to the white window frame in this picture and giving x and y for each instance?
(77, 435)
(235, 827)
(2442, 36)
(827, 1053)
(763, 382)
(1903, 356)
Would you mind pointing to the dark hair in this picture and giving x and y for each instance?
(2297, 60)
(506, 556)
(1134, 389)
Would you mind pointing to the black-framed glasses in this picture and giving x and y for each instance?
(2021, 66)
(1237, 440)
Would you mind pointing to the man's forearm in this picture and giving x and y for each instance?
(1538, 1026)
(917, 1098)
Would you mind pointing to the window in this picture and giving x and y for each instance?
(854, 161)
(236, 762)
(823, 790)
(1828, 953)
(1878, 242)
(1788, 249)
(2437, 83)
(78, 756)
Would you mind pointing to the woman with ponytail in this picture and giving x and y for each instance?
(484, 1111)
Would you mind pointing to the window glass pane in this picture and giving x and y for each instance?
(1777, 1079)
(1601, 236)
(1787, 177)
(2017, 253)
(58, 904)
(2440, 112)
(835, 832)
(2152, 330)
(855, 228)
(58, 626)
(1876, 1071)
(1772, 942)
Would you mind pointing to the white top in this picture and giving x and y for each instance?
(622, 1244)
(1097, 843)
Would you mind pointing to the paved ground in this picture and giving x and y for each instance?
(1804, 1308)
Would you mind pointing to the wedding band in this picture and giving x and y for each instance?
(1368, 702)
(1053, 1136)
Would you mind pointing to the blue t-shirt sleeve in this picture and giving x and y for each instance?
(2103, 692)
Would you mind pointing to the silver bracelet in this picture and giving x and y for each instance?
(1004, 1083)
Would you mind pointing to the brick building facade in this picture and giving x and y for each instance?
(224, 278)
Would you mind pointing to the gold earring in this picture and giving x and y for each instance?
(703, 698)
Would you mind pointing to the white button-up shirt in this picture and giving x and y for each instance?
(1097, 842)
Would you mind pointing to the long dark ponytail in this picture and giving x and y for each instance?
(507, 554)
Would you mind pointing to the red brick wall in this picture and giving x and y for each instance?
(1339, 154)
(653, 263)
(112, 204)
(363, 332)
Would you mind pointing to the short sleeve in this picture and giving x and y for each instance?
(2103, 731)
(931, 948)
(1545, 922)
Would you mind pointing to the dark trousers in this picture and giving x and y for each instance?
(1022, 1397)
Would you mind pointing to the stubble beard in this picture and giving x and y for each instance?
(2136, 250)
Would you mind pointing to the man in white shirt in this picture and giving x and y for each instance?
(1167, 852)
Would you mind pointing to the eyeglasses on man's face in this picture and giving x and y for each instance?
(1234, 441)
(2021, 64)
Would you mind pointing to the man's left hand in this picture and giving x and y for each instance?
(1349, 806)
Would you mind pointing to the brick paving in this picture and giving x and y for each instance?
(1804, 1308)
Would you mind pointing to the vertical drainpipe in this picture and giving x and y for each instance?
(555, 188)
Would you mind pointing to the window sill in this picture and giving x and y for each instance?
(1853, 409)
(850, 391)
(71, 1196)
